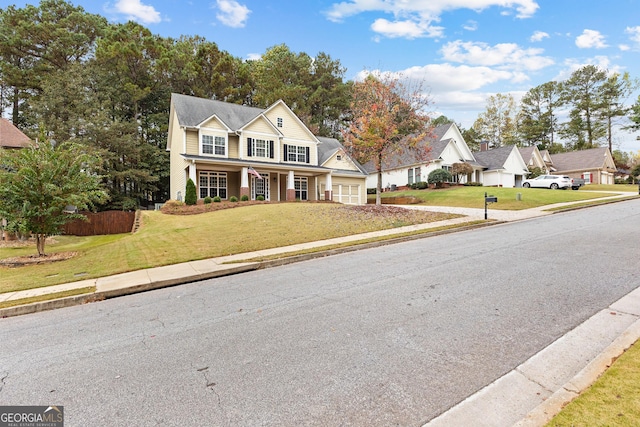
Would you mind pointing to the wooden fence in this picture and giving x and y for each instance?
(108, 222)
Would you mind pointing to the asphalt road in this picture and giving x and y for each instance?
(393, 335)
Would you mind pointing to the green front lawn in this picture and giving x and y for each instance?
(613, 400)
(169, 239)
(473, 197)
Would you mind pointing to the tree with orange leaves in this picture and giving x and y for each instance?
(387, 120)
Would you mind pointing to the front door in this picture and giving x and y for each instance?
(260, 187)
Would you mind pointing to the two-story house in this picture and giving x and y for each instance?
(234, 150)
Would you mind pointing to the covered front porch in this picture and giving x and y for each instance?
(259, 181)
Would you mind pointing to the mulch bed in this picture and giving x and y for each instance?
(33, 259)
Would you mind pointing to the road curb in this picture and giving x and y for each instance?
(285, 260)
(584, 379)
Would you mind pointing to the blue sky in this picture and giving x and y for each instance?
(463, 50)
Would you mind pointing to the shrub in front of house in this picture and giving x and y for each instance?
(217, 199)
(260, 198)
(233, 199)
(244, 198)
(439, 176)
(421, 185)
(472, 184)
(207, 200)
(190, 197)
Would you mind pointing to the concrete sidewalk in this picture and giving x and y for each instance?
(152, 278)
(530, 395)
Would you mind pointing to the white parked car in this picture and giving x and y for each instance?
(548, 181)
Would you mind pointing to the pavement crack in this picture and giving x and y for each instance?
(542, 386)
(3, 376)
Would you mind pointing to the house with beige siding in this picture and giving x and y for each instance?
(595, 165)
(234, 150)
(535, 159)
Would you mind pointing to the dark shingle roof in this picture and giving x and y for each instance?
(593, 158)
(11, 136)
(526, 153)
(412, 157)
(495, 158)
(192, 111)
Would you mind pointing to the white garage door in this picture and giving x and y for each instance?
(347, 194)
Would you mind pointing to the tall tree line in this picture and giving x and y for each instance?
(576, 114)
(108, 86)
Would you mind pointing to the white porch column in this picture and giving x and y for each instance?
(244, 177)
(244, 182)
(328, 190)
(291, 188)
(192, 173)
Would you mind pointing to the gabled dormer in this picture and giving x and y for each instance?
(213, 138)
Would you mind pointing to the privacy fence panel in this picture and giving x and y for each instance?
(108, 222)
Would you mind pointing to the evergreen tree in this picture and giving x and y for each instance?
(583, 91)
(190, 196)
(538, 115)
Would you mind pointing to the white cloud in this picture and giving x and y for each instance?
(470, 25)
(634, 34)
(420, 13)
(602, 62)
(232, 14)
(405, 29)
(505, 55)
(539, 36)
(624, 47)
(136, 11)
(590, 39)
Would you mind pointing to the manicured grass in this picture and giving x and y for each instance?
(473, 197)
(613, 400)
(47, 297)
(169, 239)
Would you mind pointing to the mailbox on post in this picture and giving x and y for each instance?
(487, 200)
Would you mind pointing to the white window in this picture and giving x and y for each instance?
(280, 122)
(207, 144)
(454, 177)
(214, 145)
(259, 148)
(294, 153)
(410, 176)
(213, 184)
(301, 186)
(417, 175)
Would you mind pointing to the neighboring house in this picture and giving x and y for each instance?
(546, 156)
(446, 147)
(11, 136)
(503, 167)
(534, 159)
(234, 150)
(595, 166)
(498, 167)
